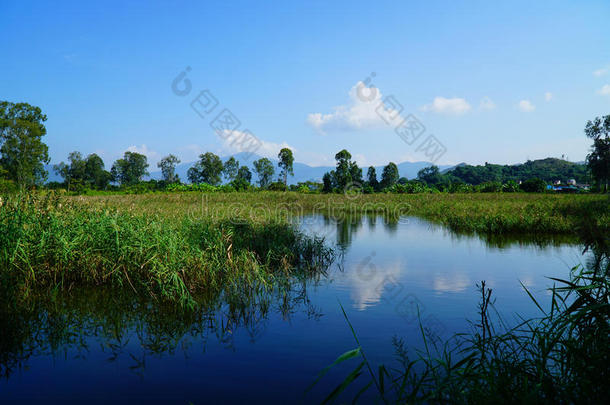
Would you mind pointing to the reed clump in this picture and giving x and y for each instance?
(54, 243)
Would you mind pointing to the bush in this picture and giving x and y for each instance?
(510, 186)
(534, 185)
(277, 186)
(8, 186)
(490, 187)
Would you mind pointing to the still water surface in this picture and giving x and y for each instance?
(100, 349)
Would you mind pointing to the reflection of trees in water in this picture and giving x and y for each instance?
(503, 241)
(70, 323)
(347, 226)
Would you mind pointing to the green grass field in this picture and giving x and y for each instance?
(483, 212)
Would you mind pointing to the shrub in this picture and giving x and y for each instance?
(534, 185)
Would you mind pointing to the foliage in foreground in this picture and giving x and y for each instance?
(45, 243)
(561, 357)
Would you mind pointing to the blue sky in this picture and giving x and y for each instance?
(491, 81)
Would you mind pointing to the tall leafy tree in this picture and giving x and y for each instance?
(72, 172)
(599, 158)
(389, 176)
(130, 169)
(230, 168)
(264, 170)
(207, 170)
(286, 164)
(244, 174)
(355, 172)
(327, 182)
(371, 177)
(347, 171)
(194, 174)
(430, 175)
(62, 169)
(343, 174)
(22, 152)
(77, 166)
(79, 171)
(168, 168)
(95, 175)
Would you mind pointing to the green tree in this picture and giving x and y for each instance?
(168, 168)
(244, 174)
(355, 173)
(130, 169)
(430, 175)
(207, 170)
(327, 181)
(95, 175)
(286, 161)
(74, 171)
(62, 169)
(371, 177)
(343, 174)
(389, 176)
(599, 158)
(22, 152)
(194, 174)
(230, 168)
(264, 170)
(242, 179)
(347, 171)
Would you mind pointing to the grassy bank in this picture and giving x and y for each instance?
(491, 213)
(51, 243)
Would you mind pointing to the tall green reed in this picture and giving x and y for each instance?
(48, 242)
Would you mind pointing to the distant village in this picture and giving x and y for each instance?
(571, 186)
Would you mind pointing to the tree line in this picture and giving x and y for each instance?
(88, 172)
(23, 155)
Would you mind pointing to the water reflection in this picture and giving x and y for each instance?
(383, 253)
(456, 283)
(342, 228)
(125, 327)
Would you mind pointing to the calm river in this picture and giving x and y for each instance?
(387, 276)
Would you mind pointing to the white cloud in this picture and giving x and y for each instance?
(454, 283)
(451, 106)
(526, 106)
(360, 113)
(238, 141)
(367, 284)
(487, 104)
(605, 90)
(548, 96)
(361, 160)
(143, 149)
(601, 72)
